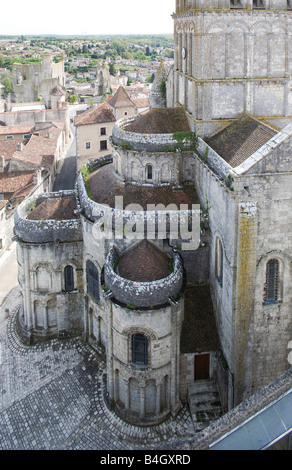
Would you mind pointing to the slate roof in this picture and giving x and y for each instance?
(143, 262)
(104, 187)
(240, 140)
(54, 208)
(160, 121)
(121, 99)
(199, 332)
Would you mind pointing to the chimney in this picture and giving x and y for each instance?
(19, 146)
(2, 169)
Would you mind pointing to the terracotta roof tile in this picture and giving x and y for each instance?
(10, 130)
(160, 121)
(41, 148)
(54, 208)
(95, 115)
(11, 182)
(143, 262)
(121, 99)
(8, 148)
(104, 187)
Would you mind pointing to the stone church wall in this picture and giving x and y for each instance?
(235, 63)
(271, 323)
(214, 195)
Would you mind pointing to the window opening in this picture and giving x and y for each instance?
(272, 281)
(69, 278)
(92, 280)
(139, 349)
(149, 172)
(219, 261)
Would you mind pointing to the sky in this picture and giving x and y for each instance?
(94, 17)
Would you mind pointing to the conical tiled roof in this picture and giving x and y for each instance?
(96, 114)
(58, 91)
(121, 99)
(144, 262)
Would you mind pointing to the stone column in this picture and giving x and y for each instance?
(180, 42)
(249, 73)
(109, 354)
(28, 305)
(45, 313)
(246, 269)
(127, 394)
(142, 399)
(158, 398)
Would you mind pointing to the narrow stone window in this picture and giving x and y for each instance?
(272, 281)
(103, 131)
(149, 172)
(140, 350)
(92, 280)
(219, 261)
(69, 278)
(87, 145)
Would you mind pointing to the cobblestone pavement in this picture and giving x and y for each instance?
(51, 398)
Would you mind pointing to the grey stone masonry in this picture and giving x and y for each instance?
(44, 231)
(143, 294)
(139, 141)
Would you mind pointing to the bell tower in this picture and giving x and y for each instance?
(232, 57)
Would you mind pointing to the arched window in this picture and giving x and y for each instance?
(149, 172)
(92, 280)
(272, 281)
(140, 350)
(69, 278)
(219, 261)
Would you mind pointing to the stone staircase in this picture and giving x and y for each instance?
(204, 402)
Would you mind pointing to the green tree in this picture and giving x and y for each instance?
(112, 69)
(7, 83)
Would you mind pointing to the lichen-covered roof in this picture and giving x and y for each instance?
(143, 262)
(199, 332)
(160, 121)
(54, 208)
(104, 187)
(240, 140)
